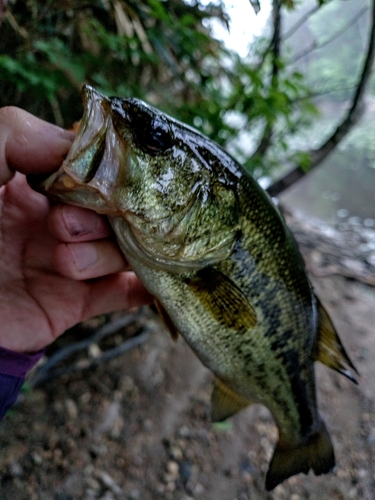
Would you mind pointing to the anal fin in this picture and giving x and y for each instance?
(225, 402)
(315, 453)
(329, 349)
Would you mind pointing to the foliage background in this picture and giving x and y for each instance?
(161, 51)
(164, 52)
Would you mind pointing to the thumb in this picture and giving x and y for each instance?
(30, 145)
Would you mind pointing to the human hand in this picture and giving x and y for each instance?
(59, 265)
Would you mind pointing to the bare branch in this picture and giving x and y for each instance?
(276, 51)
(321, 93)
(301, 21)
(44, 375)
(335, 36)
(276, 36)
(352, 117)
(48, 370)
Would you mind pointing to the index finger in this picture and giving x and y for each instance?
(30, 145)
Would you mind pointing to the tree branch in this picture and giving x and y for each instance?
(352, 117)
(3, 6)
(276, 51)
(300, 22)
(334, 37)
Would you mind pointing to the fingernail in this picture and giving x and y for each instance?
(86, 224)
(85, 256)
(68, 135)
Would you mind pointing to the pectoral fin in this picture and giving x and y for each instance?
(330, 350)
(223, 299)
(225, 402)
(168, 323)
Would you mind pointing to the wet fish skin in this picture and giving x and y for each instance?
(210, 245)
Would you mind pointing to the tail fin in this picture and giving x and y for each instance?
(316, 453)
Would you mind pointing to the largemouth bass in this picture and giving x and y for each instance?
(210, 245)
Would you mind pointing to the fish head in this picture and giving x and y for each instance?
(162, 185)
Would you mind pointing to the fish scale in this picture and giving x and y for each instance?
(226, 273)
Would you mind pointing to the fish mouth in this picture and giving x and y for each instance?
(89, 143)
(90, 165)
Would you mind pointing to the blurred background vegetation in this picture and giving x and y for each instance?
(166, 52)
(283, 102)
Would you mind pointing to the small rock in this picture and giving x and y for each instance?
(71, 408)
(171, 486)
(37, 459)
(16, 470)
(111, 420)
(354, 265)
(176, 452)
(184, 432)
(93, 484)
(342, 213)
(173, 468)
(252, 454)
(199, 489)
(148, 424)
(369, 222)
(353, 493)
(362, 473)
(134, 495)
(371, 259)
(94, 351)
(108, 482)
(108, 495)
(342, 474)
(280, 490)
(90, 494)
(85, 397)
(88, 470)
(266, 445)
(354, 221)
(96, 450)
(160, 488)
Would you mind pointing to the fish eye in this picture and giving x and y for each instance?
(154, 136)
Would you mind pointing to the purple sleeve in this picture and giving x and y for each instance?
(13, 369)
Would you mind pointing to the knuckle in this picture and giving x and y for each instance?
(9, 114)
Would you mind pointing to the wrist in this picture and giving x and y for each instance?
(17, 364)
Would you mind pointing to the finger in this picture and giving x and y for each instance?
(115, 292)
(29, 144)
(87, 260)
(74, 224)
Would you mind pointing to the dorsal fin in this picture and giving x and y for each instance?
(329, 349)
(225, 402)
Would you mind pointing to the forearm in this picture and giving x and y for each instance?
(13, 369)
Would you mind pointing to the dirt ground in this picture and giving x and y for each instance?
(136, 428)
